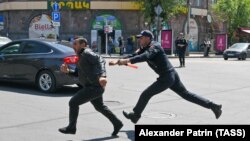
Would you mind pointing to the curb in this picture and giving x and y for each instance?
(169, 56)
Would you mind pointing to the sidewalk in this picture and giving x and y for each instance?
(191, 55)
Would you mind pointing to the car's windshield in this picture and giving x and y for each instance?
(239, 46)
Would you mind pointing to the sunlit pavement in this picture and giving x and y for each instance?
(28, 115)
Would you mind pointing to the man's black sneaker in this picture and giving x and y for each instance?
(117, 127)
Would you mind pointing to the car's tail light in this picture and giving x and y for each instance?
(71, 59)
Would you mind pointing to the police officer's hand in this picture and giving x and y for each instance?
(64, 68)
(103, 81)
(113, 62)
(123, 61)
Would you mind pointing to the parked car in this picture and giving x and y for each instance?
(37, 62)
(237, 50)
(4, 40)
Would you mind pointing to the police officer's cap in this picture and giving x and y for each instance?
(146, 33)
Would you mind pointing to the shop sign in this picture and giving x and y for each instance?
(70, 4)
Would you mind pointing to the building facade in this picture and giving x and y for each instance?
(87, 18)
(201, 24)
(32, 19)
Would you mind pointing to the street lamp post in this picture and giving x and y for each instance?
(106, 36)
(188, 23)
(158, 10)
(146, 25)
(188, 16)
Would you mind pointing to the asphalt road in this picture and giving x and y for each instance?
(29, 115)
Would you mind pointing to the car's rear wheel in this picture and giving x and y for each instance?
(225, 58)
(239, 58)
(244, 56)
(46, 81)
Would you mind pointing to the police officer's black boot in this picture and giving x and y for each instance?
(216, 109)
(132, 116)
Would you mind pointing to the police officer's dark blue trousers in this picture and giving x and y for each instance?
(169, 80)
(182, 58)
(94, 95)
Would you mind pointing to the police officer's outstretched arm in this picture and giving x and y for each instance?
(137, 52)
(145, 56)
(142, 56)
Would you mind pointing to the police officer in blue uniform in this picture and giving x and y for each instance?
(152, 53)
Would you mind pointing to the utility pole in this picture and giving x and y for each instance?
(188, 16)
(188, 25)
(158, 10)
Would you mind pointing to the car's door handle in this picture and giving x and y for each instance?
(10, 59)
(2, 58)
(35, 60)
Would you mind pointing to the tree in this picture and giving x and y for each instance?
(170, 9)
(235, 13)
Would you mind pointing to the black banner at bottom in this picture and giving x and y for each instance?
(192, 132)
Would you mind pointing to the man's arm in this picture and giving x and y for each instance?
(138, 51)
(147, 55)
(65, 69)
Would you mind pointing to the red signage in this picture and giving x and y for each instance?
(166, 39)
(221, 42)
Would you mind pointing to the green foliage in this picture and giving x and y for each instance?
(170, 8)
(236, 13)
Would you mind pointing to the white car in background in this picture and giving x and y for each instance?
(4, 40)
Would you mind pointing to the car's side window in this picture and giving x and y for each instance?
(249, 47)
(11, 49)
(35, 48)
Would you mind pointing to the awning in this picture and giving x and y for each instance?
(247, 31)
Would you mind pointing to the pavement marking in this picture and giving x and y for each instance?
(160, 115)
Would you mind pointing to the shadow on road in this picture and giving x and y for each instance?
(103, 138)
(21, 88)
(179, 67)
(236, 60)
(130, 134)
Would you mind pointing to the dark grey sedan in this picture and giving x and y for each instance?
(237, 50)
(37, 62)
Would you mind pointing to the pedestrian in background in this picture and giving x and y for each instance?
(110, 45)
(181, 44)
(129, 45)
(207, 43)
(121, 45)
